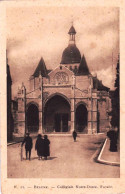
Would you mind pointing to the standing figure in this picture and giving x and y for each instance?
(46, 147)
(74, 134)
(113, 140)
(39, 146)
(28, 145)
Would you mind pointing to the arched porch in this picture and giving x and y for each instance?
(56, 115)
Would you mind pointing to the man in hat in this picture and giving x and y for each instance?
(28, 145)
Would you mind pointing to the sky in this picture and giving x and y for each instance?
(34, 32)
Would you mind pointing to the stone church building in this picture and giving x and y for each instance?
(65, 98)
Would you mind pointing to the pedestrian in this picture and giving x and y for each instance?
(112, 134)
(74, 134)
(39, 146)
(46, 143)
(28, 145)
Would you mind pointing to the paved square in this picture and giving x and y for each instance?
(68, 159)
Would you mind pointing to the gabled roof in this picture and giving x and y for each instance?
(62, 68)
(72, 30)
(41, 69)
(83, 67)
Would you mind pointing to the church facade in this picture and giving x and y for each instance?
(65, 99)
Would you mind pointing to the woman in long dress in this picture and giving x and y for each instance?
(46, 147)
(39, 146)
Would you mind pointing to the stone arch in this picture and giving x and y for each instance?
(81, 102)
(81, 117)
(32, 102)
(56, 94)
(32, 117)
(56, 113)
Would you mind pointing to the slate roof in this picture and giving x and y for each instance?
(71, 55)
(72, 30)
(83, 67)
(41, 69)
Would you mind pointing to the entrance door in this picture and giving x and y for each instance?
(65, 122)
(57, 122)
(61, 122)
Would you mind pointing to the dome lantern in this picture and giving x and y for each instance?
(72, 33)
(71, 55)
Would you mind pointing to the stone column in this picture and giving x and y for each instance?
(22, 111)
(61, 124)
(94, 116)
(72, 115)
(73, 104)
(41, 105)
(90, 106)
(40, 121)
(89, 117)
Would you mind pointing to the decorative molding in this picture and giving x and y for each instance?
(45, 95)
(57, 86)
(61, 78)
(84, 91)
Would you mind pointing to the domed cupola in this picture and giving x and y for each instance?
(71, 54)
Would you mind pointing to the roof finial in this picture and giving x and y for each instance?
(72, 20)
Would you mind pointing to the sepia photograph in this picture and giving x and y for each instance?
(63, 100)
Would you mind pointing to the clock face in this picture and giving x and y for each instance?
(61, 78)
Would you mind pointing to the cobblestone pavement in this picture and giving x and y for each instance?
(68, 160)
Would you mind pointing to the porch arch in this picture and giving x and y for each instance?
(56, 113)
(56, 94)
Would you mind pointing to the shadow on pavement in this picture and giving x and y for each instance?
(51, 158)
(36, 158)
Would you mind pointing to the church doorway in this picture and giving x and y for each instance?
(32, 118)
(61, 122)
(81, 118)
(57, 114)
